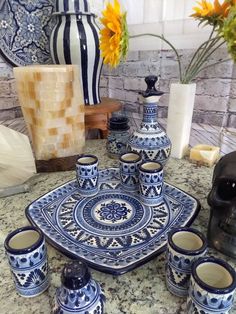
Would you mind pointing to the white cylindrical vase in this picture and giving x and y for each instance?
(180, 113)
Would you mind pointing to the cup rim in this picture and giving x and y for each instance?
(184, 251)
(130, 161)
(28, 249)
(150, 170)
(87, 163)
(220, 262)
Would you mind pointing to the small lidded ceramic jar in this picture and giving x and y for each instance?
(118, 135)
(79, 293)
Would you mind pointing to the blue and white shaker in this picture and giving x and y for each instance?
(79, 293)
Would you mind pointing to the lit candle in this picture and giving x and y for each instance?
(205, 154)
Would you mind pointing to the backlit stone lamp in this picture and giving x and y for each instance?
(53, 109)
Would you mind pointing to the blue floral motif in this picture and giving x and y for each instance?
(113, 211)
(32, 4)
(31, 27)
(25, 27)
(34, 278)
(7, 24)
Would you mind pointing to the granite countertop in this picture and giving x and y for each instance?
(142, 290)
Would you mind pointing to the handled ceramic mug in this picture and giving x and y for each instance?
(212, 287)
(129, 171)
(27, 255)
(151, 183)
(87, 175)
(184, 246)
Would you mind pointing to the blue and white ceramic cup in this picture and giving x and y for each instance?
(87, 175)
(212, 287)
(151, 183)
(27, 256)
(184, 246)
(129, 171)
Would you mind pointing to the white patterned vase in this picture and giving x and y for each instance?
(75, 40)
(150, 140)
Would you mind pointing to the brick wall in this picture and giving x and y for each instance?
(215, 102)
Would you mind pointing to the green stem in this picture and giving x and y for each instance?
(198, 68)
(201, 47)
(211, 65)
(201, 59)
(168, 43)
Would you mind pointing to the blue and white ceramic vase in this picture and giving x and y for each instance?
(184, 246)
(79, 293)
(151, 141)
(75, 40)
(27, 255)
(212, 287)
(87, 175)
(118, 136)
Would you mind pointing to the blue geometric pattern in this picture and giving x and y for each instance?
(88, 300)
(118, 242)
(24, 31)
(201, 301)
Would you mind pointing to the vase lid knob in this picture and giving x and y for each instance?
(75, 275)
(151, 89)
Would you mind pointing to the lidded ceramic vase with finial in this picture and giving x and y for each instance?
(79, 292)
(150, 140)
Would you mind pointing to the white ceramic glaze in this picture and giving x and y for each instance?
(187, 240)
(130, 157)
(151, 166)
(214, 275)
(86, 160)
(24, 240)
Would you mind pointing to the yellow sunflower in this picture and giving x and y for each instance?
(114, 35)
(212, 13)
(205, 9)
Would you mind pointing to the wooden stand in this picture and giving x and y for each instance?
(97, 116)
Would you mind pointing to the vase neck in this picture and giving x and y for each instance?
(149, 122)
(150, 113)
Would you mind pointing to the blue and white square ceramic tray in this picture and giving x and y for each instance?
(112, 231)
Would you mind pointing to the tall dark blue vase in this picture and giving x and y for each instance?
(75, 40)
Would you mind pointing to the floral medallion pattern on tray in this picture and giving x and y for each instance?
(25, 27)
(112, 231)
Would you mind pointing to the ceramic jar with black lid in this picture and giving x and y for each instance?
(118, 135)
(79, 293)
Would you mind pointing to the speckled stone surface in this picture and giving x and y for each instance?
(140, 291)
